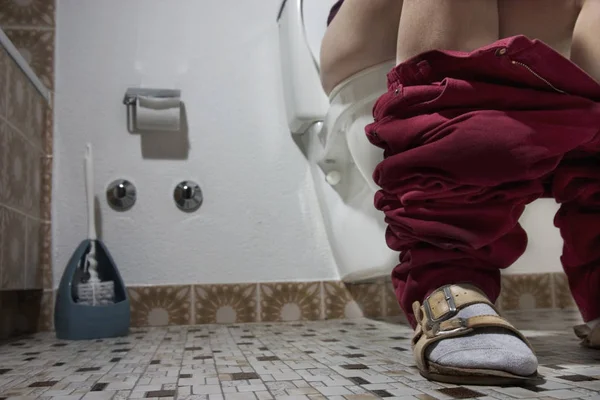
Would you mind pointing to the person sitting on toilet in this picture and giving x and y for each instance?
(492, 105)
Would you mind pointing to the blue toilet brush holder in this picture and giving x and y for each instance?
(75, 321)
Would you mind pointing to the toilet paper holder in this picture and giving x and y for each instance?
(131, 97)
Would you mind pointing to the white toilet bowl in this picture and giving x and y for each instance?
(331, 131)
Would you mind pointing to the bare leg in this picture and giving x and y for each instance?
(551, 21)
(363, 34)
(585, 50)
(463, 25)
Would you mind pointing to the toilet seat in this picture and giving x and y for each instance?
(350, 111)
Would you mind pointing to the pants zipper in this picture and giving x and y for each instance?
(538, 76)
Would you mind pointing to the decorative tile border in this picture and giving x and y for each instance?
(290, 301)
(161, 305)
(222, 304)
(304, 301)
(272, 302)
(526, 292)
(562, 294)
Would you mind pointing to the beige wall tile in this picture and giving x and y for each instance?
(19, 100)
(562, 293)
(21, 185)
(392, 307)
(291, 301)
(24, 185)
(222, 304)
(339, 302)
(16, 171)
(524, 292)
(38, 115)
(160, 305)
(3, 80)
(33, 189)
(13, 231)
(26, 108)
(33, 272)
(354, 300)
(37, 48)
(5, 137)
(39, 13)
(370, 297)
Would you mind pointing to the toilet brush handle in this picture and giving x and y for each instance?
(89, 190)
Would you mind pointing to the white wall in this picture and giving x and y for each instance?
(259, 221)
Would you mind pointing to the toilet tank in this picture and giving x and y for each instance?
(299, 42)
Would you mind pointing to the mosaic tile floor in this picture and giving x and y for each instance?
(351, 360)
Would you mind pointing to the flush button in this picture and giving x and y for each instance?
(188, 196)
(121, 195)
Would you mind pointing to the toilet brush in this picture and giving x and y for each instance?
(91, 290)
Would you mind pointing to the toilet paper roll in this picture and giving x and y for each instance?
(158, 114)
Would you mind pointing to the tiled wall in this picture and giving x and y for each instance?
(274, 302)
(25, 168)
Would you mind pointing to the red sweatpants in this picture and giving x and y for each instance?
(469, 139)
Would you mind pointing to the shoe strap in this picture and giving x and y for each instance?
(447, 301)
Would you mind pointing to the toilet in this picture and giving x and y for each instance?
(342, 161)
(339, 163)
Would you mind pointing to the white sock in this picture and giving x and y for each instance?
(594, 323)
(486, 348)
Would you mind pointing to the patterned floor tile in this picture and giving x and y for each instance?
(347, 360)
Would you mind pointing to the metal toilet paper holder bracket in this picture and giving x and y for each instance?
(131, 96)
